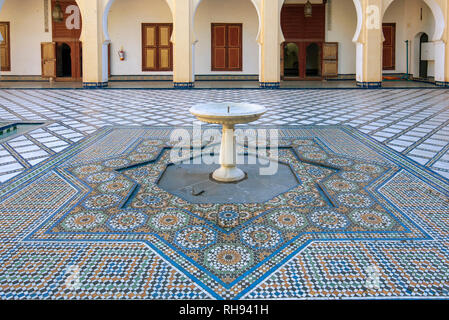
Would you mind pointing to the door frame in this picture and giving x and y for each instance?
(302, 45)
(421, 61)
(393, 67)
(76, 59)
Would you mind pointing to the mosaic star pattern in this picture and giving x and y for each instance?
(363, 222)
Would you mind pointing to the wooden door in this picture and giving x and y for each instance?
(48, 59)
(330, 59)
(389, 46)
(226, 47)
(5, 50)
(303, 31)
(157, 50)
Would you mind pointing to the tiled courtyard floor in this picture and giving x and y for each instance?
(414, 122)
(82, 216)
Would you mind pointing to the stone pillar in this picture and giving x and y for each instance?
(183, 43)
(270, 39)
(94, 49)
(369, 42)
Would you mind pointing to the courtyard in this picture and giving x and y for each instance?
(83, 213)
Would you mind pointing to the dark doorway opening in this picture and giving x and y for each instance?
(313, 60)
(64, 60)
(291, 60)
(423, 64)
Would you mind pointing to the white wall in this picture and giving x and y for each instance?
(27, 31)
(229, 11)
(125, 29)
(340, 27)
(406, 14)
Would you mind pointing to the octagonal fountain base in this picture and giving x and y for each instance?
(195, 184)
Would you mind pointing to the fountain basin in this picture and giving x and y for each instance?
(228, 115)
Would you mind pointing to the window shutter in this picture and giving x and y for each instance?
(219, 47)
(149, 47)
(164, 48)
(234, 47)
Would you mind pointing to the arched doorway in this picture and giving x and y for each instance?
(63, 60)
(304, 38)
(423, 64)
(66, 32)
(313, 60)
(291, 60)
(402, 48)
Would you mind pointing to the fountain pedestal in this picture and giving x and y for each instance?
(228, 115)
(228, 172)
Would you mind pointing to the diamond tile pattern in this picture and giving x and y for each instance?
(414, 122)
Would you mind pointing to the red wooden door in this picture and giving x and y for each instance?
(303, 31)
(226, 47)
(389, 46)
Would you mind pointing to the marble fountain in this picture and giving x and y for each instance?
(228, 115)
(227, 182)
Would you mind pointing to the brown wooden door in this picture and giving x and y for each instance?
(226, 47)
(303, 32)
(157, 49)
(5, 51)
(48, 59)
(389, 46)
(330, 59)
